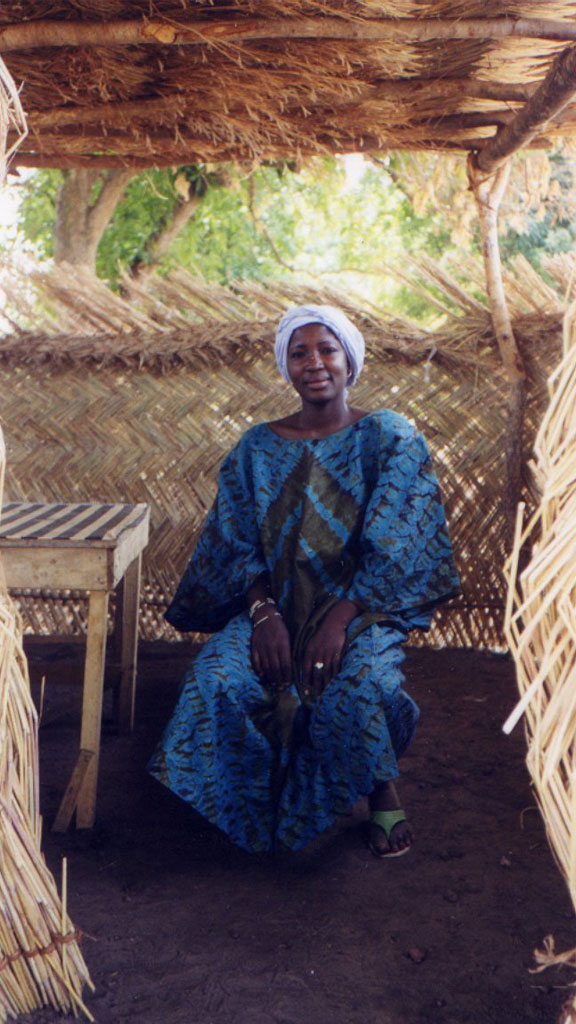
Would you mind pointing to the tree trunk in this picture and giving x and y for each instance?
(488, 191)
(81, 219)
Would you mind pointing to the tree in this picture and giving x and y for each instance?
(313, 222)
(239, 223)
(85, 205)
(67, 214)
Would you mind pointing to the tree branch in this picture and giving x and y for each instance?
(198, 150)
(45, 33)
(261, 228)
(159, 243)
(101, 212)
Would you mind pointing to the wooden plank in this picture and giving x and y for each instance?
(92, 704)
(129, 545)
(58, 567)
(70, 798)
(25, 523)
(130, 600)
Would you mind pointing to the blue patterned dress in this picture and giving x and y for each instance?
(357, 515)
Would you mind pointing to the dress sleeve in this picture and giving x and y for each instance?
(405, 565)
(228, 556)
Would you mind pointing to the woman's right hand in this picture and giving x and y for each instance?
(271, 654)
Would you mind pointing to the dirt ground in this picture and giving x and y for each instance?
(180, 927)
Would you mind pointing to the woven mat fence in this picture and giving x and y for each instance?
(138, 398)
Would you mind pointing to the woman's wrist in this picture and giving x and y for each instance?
(259, 604)
(343, 612)
(258, 596)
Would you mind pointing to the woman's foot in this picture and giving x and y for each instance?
(389, 834)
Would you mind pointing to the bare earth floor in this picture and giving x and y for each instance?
(182, 928)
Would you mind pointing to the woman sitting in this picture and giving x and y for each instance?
(325, 545)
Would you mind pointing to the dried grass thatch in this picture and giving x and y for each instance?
(127, 83)
(138, 400)
(40, 960)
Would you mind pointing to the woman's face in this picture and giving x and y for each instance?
(317, 363)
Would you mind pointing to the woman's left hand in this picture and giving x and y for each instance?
(323, 655)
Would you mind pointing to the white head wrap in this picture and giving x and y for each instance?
(342, 328)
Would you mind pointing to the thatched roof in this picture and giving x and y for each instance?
(129, 82)
(105, 398)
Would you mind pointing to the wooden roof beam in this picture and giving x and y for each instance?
(550, 98)
(180, 157)
(137, 32)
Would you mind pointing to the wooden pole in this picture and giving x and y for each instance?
(488, 171)
(550, 98)
(488, 192)
(136, 32)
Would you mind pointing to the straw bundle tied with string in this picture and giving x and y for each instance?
(40, 960)
(541, 629)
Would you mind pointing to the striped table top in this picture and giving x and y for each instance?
(75, 524)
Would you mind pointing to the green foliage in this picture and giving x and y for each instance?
(549, 227)
(39, 194)
(321, 222)
(147, 204)
(317, 222)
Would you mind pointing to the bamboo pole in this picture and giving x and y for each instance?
(488, 192)
(142, 31)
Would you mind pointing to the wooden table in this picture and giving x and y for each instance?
(94, 548)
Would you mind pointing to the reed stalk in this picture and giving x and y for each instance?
(541, 631)
(40, 959)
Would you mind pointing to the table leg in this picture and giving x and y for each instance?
(128, 626)
(92, 704)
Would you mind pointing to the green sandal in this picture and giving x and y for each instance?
(386, 820)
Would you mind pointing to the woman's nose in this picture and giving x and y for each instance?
(313, 358)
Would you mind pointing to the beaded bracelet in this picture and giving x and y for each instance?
(276, 614)
(259, 603)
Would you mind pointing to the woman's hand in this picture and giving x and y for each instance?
(323, 655)
(271, 654)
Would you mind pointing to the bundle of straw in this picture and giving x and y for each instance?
(40, 960)
(541, 625)
(11, 118)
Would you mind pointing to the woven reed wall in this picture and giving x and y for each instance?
(149, 419)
